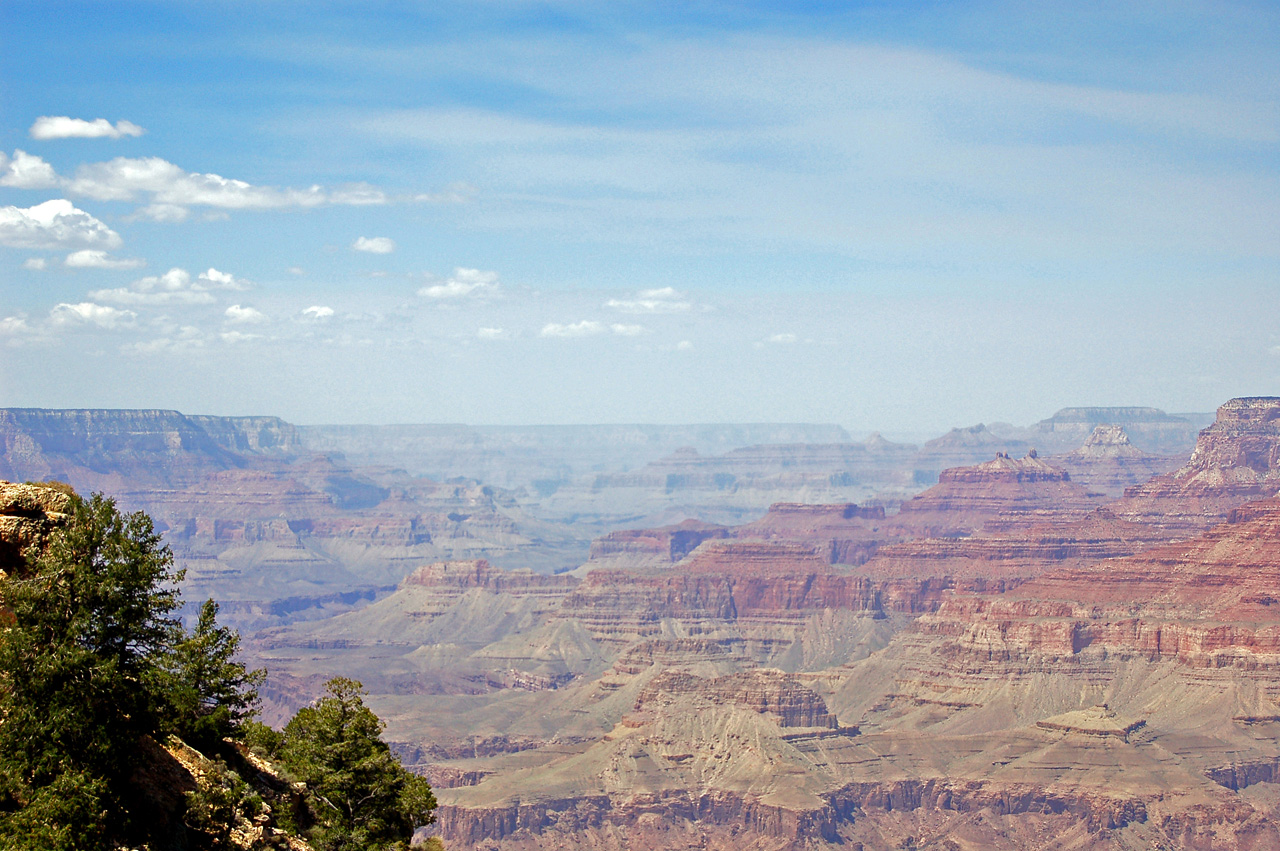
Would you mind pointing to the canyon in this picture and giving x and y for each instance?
(1065, 636)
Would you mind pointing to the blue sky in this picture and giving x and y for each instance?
(887, 215)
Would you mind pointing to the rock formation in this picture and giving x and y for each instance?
(1237, 459)
(1018, 663)
(1108, 462)
(28, 513)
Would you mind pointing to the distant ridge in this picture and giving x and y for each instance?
(1113, 415)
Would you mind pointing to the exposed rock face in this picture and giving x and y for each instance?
(848, 533)
(1237, 459)
(28, 513)
(774, 693)
(651, 547)
(1208, 602)
(108, 447)
(962, 447)
(1109, 462)
(1013, 491)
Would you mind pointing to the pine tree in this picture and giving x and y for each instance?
(361, 797)
(80, 679)
(211, 693)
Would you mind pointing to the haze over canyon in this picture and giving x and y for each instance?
(1061, 635)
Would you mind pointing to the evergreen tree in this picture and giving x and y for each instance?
(211, 693)
(79, 668)
(362, 798)
(92, 661)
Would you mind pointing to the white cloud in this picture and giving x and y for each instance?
(170, 187)
(125, 178)
(684, 346)
(238, 337)
(26, 171)
(215, 280)
(627, 330)
(35, 264)
(93, 258)
(55, 224)
(64, 127)
(13, 326)
(464, 282)
(374, 245)
(492, 333)
(88, 313)
(162, 213)
(662, 300)
(318, 311)
(585, 328)
(781, 338)
(173, 287)
(245, 315)
(296, 270)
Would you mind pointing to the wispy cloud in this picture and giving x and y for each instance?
(585, 328)
(589, 328)
(92, 258)
(663, 300)
(162, 213)
(168, 190)
(374, 244)
(317, 312)
(65, 127)
(463, 283)
(175, 286)
(14, 325)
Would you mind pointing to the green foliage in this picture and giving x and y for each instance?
(211, 694)
(261, 739)
(222, 803)
(361, 797)
(80, 662)
(68, 814)
(93, 660)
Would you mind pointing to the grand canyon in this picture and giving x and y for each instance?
(768, 637)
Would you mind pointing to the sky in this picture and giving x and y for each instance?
(893, 216)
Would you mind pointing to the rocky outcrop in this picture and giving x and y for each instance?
(1208, 602)
(768, 692)
(651, 547)
(999, 494)
(28, 514)
(449, 580)
(1110, 463)
(1236, 460)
